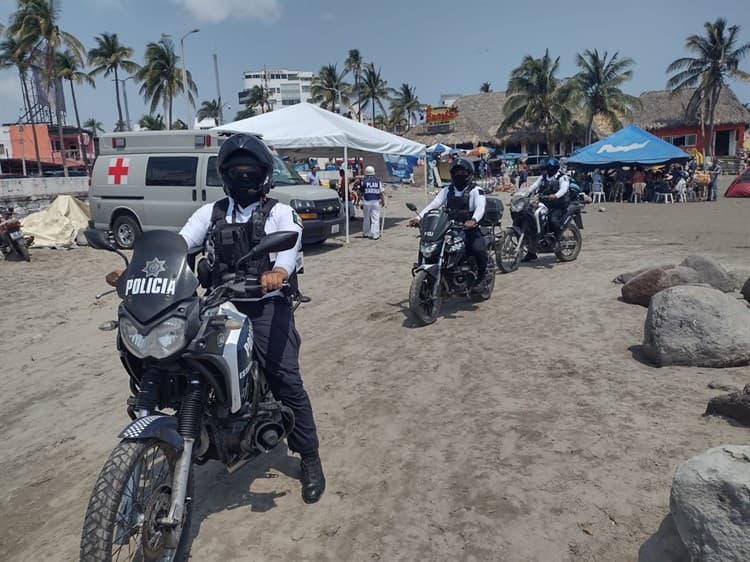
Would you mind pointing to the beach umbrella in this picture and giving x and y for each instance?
(456, 151)
(478, 151)
(438, 148)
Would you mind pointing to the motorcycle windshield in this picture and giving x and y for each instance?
(158, 275)
(434, 225)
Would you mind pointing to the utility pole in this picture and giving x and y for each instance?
(218, 89)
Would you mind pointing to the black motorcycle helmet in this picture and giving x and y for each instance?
(246, 168)
(553, 166)
(460, 178)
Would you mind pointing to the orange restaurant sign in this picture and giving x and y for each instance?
(441, 114)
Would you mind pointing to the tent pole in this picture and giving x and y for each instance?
(425, 178)
(346, 190)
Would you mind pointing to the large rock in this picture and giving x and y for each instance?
(740, 276)
(628, 275)
(665, 545)
(698, 326)
(642, 287)
(710, 504)
(711, 272)
(746, 290)
(735, 405)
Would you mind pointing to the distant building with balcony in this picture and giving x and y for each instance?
(18, 151)
(285, 87)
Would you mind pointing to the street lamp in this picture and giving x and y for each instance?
(125, 98)
(191, 111)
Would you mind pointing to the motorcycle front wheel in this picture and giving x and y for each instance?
(570, 243)
(509, 254)
(423, 303)
(130, 497)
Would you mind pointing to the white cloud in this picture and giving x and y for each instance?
(215, 11)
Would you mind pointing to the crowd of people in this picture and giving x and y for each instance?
(692, 182)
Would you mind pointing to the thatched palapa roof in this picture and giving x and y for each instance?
(478, 118)
(663, 110)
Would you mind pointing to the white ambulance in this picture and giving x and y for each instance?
(150, 180)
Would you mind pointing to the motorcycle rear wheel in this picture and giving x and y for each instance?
(570, 243)
(509, 255)
(423, 303)
(132, 493)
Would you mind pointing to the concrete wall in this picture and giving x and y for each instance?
(14, 191)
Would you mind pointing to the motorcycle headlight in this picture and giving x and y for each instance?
(161, 341)
(428, 248)
(518, 205)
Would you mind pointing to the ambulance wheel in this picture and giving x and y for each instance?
(125, 230)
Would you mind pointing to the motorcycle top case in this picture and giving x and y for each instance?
(158, 275)
(493, 212)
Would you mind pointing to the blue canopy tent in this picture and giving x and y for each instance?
(631, 145)
(437, 148)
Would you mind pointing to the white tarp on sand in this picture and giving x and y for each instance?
(59, 224)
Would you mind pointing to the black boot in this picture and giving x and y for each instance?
(313, 480)
(530, 256)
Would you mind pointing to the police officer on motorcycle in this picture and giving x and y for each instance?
(229, 228)
(552, 187)
(464, 201)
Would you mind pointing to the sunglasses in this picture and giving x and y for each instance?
(246, 172)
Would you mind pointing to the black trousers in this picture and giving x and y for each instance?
(276, 345)
(556, 216)
(477, 247)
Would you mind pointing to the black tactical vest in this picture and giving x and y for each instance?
(458, 205)
(550, 187)
(227, 242)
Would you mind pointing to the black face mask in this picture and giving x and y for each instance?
(460, 182)
(245, 185)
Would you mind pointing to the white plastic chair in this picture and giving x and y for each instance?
(597, 193)
(667, 197)
(637, 195)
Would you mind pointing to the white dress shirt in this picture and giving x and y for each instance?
(477, 201)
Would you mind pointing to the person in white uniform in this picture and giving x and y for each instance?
(246, 168)
(370, 197)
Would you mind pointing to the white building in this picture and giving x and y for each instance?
(286, 87)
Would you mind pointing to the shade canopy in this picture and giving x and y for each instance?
(306, 125)
(438, 148)
(631, 145)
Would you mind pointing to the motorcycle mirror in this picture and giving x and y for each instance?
(97, 240)
(274, 242)
(412, 207)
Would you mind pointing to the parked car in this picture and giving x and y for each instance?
(740, 186)
(151, 180)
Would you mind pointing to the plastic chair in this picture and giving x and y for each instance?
(598, 195)
(637, 195)
(667, 197)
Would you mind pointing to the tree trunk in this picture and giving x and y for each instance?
(117, 95)
(27, 98)
(78, 124)
(589, 126)
(714, 100)
(169, 115)
(359, 101)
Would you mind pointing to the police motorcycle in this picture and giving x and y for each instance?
(532, 232)
(13, 244)
(197, 395)
(445, 268)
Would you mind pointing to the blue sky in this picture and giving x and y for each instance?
(437, 46)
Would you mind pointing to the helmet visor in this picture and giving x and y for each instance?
(247, 173)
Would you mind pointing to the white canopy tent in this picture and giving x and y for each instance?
(306, 125)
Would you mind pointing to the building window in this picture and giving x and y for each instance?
(683, 140)
(177, 171)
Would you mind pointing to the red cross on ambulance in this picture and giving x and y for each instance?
(117, 172)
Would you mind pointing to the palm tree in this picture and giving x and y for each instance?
(717, 58)
(161, 77)
(245, 113)
(179, 125)
(599, 82)
(69, 68)
(13, 54)
(328, 87)
(405, 104)
(353, 64)
(35, 23)
(152, 123)
(374, 88)
(538, 98)
(209, 109)
(485, 88)
(93, 125)
(259, 96)
(108, 57)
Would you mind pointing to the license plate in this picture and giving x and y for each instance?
(334, 229)
(15, 235)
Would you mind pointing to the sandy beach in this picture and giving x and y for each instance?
(525, 428)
